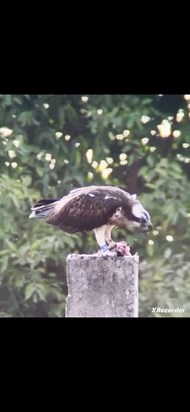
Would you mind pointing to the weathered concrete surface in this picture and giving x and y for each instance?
(100, 286)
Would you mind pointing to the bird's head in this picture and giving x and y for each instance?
(132, 215)
(141, 216)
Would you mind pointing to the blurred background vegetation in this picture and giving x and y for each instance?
(50, 144)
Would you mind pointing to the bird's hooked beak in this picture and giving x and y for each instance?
(147, 227)
(146, 223)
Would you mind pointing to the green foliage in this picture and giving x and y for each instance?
(45, 155)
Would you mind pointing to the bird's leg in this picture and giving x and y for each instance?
(100, 237)
(108, 238)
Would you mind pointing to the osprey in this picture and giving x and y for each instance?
(98, 208)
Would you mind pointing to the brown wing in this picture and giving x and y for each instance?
(86, 208)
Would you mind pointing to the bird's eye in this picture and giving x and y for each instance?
(142, 220)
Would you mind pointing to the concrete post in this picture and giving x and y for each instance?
(102, 286)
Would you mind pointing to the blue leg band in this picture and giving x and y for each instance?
(104, 248)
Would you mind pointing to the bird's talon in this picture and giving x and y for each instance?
(112, 245)
(106, 252)
(109, 253)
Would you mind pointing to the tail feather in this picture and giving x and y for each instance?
(44, 202)
(42, 207)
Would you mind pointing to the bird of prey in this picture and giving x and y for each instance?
(98, 208)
